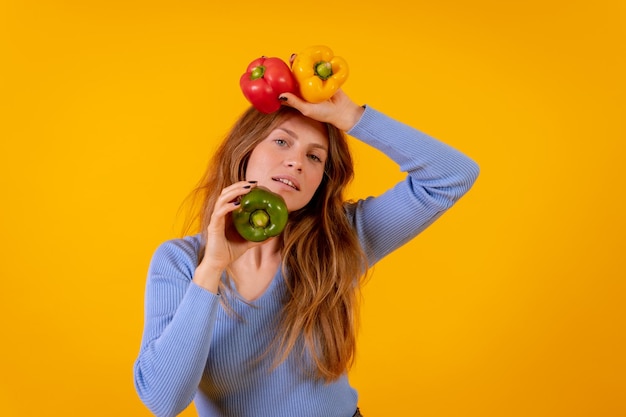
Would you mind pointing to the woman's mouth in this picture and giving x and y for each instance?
(287, 182)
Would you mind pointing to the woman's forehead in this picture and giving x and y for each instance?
(298, 125)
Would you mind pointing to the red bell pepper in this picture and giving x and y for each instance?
(264, 80)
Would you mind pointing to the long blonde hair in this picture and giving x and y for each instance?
(322, 260)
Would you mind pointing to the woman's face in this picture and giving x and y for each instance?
(291, 160)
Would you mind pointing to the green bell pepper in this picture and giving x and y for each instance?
(262, 214)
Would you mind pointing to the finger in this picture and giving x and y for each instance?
(240, 184)
(292, 100)
(234, 191)
(228, 200)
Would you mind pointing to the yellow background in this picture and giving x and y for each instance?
(513, 304)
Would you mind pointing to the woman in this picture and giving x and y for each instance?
(267, 329)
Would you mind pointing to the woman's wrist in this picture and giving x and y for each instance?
(208, 277)
(351, 117)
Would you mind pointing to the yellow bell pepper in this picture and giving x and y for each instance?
(319, 73)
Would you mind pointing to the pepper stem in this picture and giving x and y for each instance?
(259, 218)
(324, 70)
(257, 72)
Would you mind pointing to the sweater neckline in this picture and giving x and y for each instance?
(267, 294)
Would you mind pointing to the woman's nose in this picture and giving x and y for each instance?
(294, 161)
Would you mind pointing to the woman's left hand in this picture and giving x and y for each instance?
(339, 110)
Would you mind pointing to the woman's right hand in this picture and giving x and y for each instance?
(223, 243)
(339, 110)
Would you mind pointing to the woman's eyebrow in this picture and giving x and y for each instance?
(319, 146)
(288, 131)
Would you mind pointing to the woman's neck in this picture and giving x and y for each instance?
(253, 271)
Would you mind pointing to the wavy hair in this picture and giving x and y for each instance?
(322, 260)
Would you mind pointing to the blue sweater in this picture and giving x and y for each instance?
(194, 350)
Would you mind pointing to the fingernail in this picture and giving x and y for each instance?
(247, 186)
(283, 98)
(252, 182)
(236, 203)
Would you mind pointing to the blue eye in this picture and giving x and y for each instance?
(280, 142)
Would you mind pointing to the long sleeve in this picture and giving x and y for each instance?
(192, 349)
(179, 321)
(438, 176)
